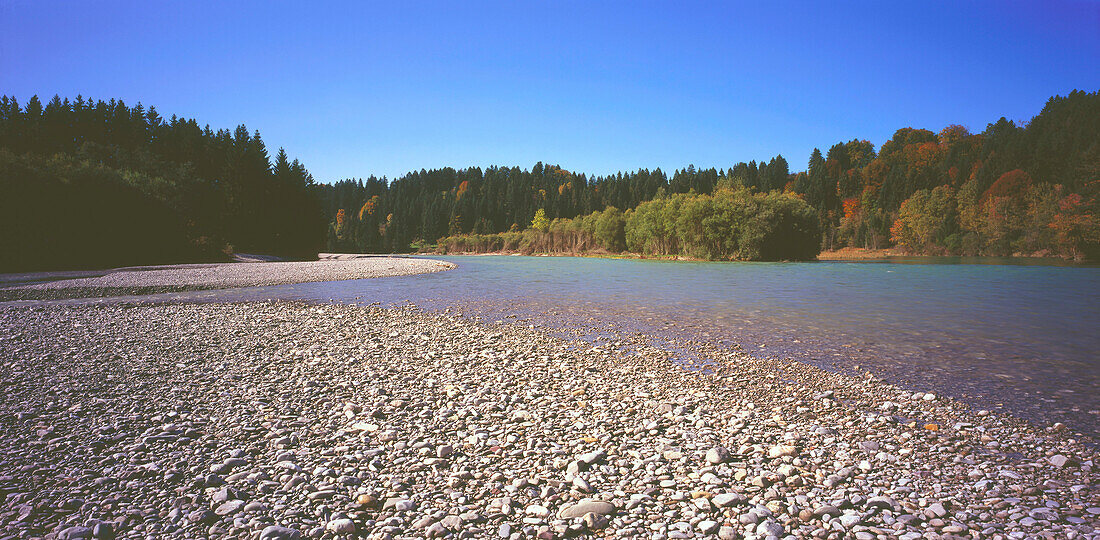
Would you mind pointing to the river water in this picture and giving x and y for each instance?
(1019, 338)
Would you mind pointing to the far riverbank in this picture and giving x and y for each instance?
(841, 255)
(179, 278)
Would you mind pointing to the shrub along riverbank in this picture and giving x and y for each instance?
(730, 224)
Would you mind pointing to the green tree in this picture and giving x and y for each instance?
(540, 222)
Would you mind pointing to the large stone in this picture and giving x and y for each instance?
(275, 532)
(782, 451)
(718, 455)
(770, 528)
(870, 447)
(74, 533)
(452, 522)
(882, 501)
(437, 530)
(708, 526)
(341, 526)
(229, 508)
(579, 509)
(595, 521)
(723, 500)
(936, 510)
(592, 458)
(849, 520)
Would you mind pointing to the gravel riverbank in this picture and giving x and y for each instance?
(150, 280)
(282, 420)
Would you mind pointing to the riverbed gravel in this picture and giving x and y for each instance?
(149, 280)
(283, 420)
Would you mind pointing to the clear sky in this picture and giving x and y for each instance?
(358, 88)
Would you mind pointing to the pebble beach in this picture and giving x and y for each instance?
(189, 277)
(281, 420)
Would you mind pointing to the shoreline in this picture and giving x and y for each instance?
(842, 255)
(290, 418)
(181, 278)
(858, 254)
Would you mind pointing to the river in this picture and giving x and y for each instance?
(1018, 338)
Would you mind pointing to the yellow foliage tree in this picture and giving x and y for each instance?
(540, 222)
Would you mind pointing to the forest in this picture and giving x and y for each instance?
(88, 183)
(1031, 189)
(93, 184)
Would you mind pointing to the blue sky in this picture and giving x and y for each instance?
(360, 88)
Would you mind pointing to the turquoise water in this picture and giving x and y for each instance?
(1021, 338)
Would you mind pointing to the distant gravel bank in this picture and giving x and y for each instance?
(149, 280)
(283, 420)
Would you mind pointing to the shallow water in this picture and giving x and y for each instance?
(1022, 338)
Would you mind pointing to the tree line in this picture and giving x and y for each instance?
(87, 183)
(95, 183)
(1029, 189)
(732, 223)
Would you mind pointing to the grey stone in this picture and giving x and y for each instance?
(276, 532)
(935, 510)
(579, 509)
(229, 507)
(708, 526)
(723, 500)
(594, 521)
(452, 522)
(718, 454)
(73, 533)
(849, 520)
(770, 528)
(341, 526)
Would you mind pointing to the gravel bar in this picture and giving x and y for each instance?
(282, 420)
(151, 280)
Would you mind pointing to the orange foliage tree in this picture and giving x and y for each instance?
(1014, 183)
(1076, 225)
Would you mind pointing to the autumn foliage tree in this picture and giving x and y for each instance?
(926, 221)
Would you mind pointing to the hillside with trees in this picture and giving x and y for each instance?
(1030, 189)
(96, 184)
